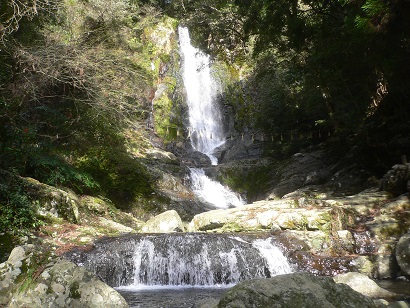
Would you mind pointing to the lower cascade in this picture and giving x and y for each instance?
(212, 191)
(182, 260)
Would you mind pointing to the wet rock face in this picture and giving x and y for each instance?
(240, 147)
(181, 259)
(403, 253)
(303, 169)
(294, 290)
(196, 159)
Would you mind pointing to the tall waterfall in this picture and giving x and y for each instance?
(205, 121)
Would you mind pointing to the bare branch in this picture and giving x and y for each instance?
(10, 21)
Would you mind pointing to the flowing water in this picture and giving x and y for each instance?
(205, 120)
(213, 192)
(161, 270)
(181, 271)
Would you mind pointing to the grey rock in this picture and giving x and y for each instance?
(67, 285)
(381, 302)
(163, 156)
(52, 201)
(58, 284)
(208, 303)
(166, 222)
(294, 290)
(395, 180)
(363, 284)
(403, 253)
(19, 259)
(196, 159)
(399, 304)
(238, 148)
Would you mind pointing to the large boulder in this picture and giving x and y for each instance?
(196, 159)
(363, 284)
(293, 290)
(10, 270)
(51, 201)
(32, 278)
(174, 187)
(162, 156)
(67, 285)
(396, 180)
(246, 146)
(166, 222)
(263, 215)
(403, 253)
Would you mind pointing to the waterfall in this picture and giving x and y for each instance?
(182, 260)
(205, 121)
(212, 191)
(199, 260)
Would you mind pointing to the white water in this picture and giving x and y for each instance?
(277, 262)
(212, 191)
(191, 261)
(205, 120)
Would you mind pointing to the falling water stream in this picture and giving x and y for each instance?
(205, 121)
(178, 270)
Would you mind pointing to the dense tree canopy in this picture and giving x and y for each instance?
(339, 66)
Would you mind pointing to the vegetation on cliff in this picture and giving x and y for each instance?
(77, 80)
(76, 83)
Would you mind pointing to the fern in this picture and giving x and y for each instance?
(57, 172)
(371, 9)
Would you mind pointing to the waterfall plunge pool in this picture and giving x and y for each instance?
(170, 296)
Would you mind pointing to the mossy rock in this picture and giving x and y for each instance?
(64, 284)
(52, 201)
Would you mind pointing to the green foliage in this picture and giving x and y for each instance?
(372, 10)
(56, 172)
(247, 181)
(121, 178)
(17, 213)
(68, 94)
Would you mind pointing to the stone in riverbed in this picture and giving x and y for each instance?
(67, 285)
(60, 283)
(363, 284)
(293, 290)
(166, 222)
(403, 253)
